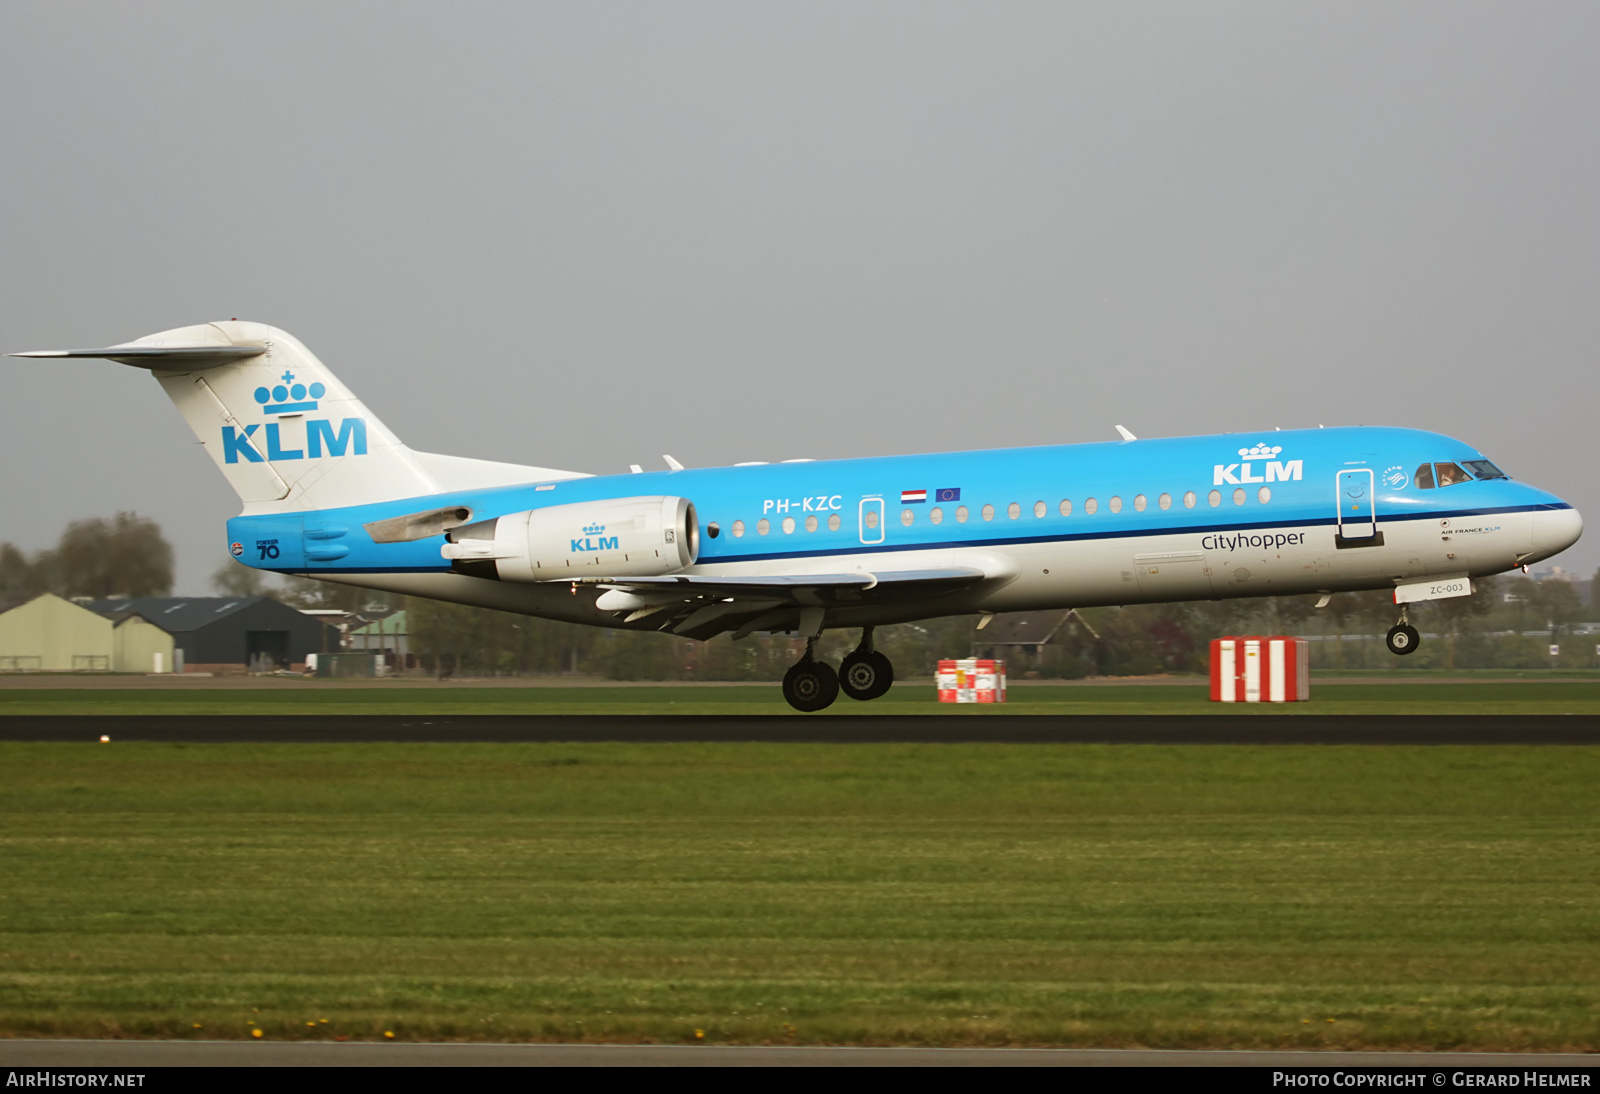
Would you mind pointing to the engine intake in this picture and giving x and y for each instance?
(619, 537)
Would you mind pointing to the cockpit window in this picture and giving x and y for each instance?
(1425, 477)
(1483, 469)
(1449, 474)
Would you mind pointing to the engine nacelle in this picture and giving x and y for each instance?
(619, 537)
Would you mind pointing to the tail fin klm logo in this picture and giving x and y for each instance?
(320, 438)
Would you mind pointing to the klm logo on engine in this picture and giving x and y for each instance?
(593, 541)
(320, 438)
(1274, 470)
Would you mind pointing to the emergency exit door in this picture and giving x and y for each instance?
(870, 516)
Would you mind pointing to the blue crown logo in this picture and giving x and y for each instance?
(289, 397)
(1262, 451)
(593, 529)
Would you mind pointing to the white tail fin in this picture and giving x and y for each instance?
(283, 430)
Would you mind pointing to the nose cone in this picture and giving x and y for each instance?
(1554, 530)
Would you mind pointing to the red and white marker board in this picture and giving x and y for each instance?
(971, 680)
(1253, 669)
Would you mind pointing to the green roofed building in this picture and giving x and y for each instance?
(388, 637)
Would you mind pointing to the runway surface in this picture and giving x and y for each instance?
(135, 1054)
(1329, 729)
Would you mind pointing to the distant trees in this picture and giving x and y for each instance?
(237, 579)
(124, 556)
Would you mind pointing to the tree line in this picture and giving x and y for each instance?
(101, 558)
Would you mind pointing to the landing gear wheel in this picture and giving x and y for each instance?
(865, 675)
(1403, 639)
(810, 685)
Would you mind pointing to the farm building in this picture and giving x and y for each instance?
(49, 634)
(222, 634)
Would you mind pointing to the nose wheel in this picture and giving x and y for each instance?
(1402, 637)
(865, 673)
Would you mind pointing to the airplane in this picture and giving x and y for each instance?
(804, 545)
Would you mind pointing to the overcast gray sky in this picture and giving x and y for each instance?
(584, 234)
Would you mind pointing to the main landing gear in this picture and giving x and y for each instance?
(865, 673)
(1403, 637)
(812, 685)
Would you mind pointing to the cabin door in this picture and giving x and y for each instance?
(1357, 517)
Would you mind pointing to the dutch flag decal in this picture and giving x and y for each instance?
(912, 497)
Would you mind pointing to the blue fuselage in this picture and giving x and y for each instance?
(1070, 525)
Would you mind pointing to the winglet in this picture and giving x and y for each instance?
(1125, 434)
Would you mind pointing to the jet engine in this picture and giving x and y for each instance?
(617, 537)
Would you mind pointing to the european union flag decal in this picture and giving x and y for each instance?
(949, 493)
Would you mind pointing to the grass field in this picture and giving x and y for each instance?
(1423, 697)
(1209, 896)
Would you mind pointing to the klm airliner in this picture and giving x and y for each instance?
(802, 546)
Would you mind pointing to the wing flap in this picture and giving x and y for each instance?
(789, 586)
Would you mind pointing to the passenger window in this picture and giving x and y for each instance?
(1115, 503)
(936, 515)
(988, 512)
(906, 517)
(763, 526)
(1215, 498)
(811, 523)
(1189, 499)
(1090, 506)
(1139, 503)
(788, 526)
(1263, 495)
(833, 522)
(1238, 496)
(712, 530)
(1449, 474)
(1065, 508)
(872, 519)
(1040, 509)
(1013, 510)
(1424, 477)
(738, 529)
(961, 514)
(1165, 501)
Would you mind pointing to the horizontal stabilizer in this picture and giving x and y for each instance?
(172, 358)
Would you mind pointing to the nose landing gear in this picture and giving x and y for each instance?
(1403, 637)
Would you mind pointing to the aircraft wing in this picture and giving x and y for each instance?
(701, 606)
